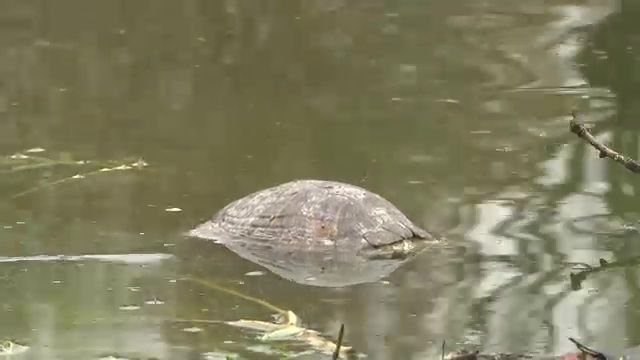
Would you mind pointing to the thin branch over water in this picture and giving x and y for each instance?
(604, 151)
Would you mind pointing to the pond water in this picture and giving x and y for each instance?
(456, 111)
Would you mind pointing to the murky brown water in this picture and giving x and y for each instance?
(456, 111)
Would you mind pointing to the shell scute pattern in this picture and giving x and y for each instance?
(315, 212)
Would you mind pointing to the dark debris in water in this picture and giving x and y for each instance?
(583, 353)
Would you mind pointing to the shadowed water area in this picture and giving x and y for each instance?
(455, 111)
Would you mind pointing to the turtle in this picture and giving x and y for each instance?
(317, 216)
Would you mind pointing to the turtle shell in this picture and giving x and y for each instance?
(312, 213)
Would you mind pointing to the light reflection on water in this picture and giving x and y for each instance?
(457, 112)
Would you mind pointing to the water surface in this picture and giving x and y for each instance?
(455, 111)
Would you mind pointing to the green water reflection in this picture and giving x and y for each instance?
(455, 111)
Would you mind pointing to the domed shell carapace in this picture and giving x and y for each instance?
(307, 215)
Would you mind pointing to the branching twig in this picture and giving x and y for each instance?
(604, 151)
(578, 277)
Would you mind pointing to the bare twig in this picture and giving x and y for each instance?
(336, 353)
(604, 151)
(443, 347)
(588, 351)
(578, 277)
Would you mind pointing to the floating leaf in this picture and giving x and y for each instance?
(287, 332)
(287, 325)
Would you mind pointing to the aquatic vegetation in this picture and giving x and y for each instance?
(26, 161)
(286, 326)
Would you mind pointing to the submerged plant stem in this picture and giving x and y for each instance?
(217, 287)
(137, 164)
